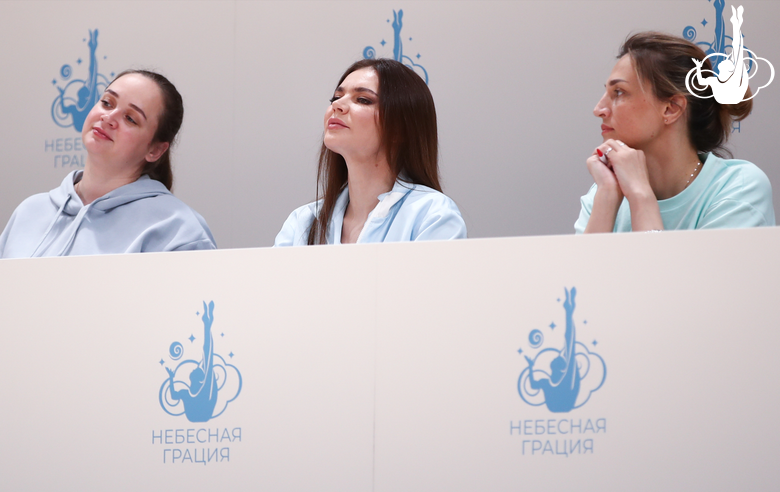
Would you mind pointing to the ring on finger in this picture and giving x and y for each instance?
(609, 149)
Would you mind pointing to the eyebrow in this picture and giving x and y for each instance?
(113, 93)
(357, 89)
(615, 81)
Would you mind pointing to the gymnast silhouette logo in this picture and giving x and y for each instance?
(78, 96)
(729, 80)
(200, 390)
(369, 52)
(563, 379)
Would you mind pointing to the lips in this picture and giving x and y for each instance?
(605, 129)
(99, 133)
(336, 123)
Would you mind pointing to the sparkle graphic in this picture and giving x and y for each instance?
(369, 53)
(192, 338)
(552, 325)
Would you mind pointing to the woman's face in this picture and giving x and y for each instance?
(629, 112)
(121, 126)
(352, 119)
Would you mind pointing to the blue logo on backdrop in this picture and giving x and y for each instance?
(78, 96)
(200, 389)
(561, 378)
(720, 41)
(398, 47)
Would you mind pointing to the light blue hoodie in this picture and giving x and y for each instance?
(139, 217)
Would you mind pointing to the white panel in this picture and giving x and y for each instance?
(395, 367)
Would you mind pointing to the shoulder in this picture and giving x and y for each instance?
(295, 230)
(422, 196)
(434, 214)
(738, 193)
(182, 226)
(737, 177)
(37, 203)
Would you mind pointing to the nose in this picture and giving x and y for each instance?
(601, 110)
(110, 118)
(339, 106)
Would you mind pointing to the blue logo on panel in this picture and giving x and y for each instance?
(77, 96)
(560, 376)
(199, 389)
(398, 47)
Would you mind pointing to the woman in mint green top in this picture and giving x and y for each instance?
(661, 164)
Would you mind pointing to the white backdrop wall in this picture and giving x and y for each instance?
(515, 83)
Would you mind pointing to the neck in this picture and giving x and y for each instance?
(98, 180)
(671, 159)
(366, 181)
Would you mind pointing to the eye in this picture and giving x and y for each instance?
(334, 98)
(364, 100)
(618, 92)
(130, 119)
(106, 103)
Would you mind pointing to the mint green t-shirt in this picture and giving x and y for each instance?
(728, 193)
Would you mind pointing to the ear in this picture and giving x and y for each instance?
(156, 150)
(674, 108)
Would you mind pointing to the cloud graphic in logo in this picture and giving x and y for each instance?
(592, 370)
(228, 386)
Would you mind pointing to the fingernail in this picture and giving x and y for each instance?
(599, 152)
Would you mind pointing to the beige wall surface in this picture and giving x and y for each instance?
(515, 83)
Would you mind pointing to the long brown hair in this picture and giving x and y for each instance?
(168, 125)
(409, 137)
(664, 61)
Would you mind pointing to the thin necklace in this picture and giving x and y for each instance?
(696, 170)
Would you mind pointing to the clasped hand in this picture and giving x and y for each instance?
(625, 172)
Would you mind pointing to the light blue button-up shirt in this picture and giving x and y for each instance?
(408, 212)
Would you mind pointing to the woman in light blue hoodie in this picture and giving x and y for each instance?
(378, 169)
(121, 202)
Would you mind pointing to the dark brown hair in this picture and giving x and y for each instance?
(168, 125)
(409, 137)
(664, 61)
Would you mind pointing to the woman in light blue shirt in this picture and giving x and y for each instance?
(378, 168)
(661, 165)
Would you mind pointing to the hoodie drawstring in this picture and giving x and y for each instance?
(54, 221)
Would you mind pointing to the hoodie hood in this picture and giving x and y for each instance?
(66, 195)
(67, 202)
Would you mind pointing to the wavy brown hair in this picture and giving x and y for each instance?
(664, 61)
(409, 137)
